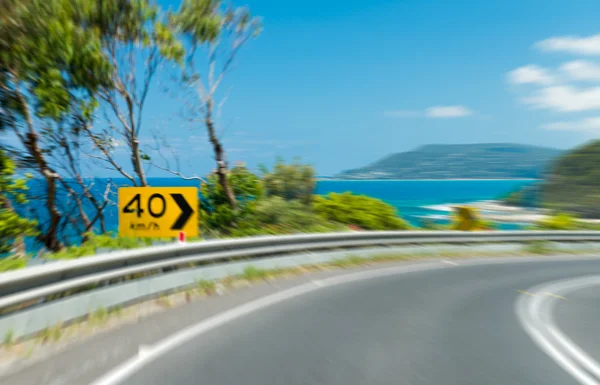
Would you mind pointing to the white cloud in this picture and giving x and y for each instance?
(530, 74)
(572, 44)
(565, 99)
(581, 70)
(588, 125)
(448, 112)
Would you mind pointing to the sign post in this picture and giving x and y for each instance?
(158, 212)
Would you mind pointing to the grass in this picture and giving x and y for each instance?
(206, 287)
(163, 301)
(51, 334)
(12, 263)
(539, 247)
(116, 311)
(98, 316)
(9, 337)
(252, 273)
(348, 262)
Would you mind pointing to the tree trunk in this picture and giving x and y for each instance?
(222, 169)
(136, 161)
(50, 238)
(30, 141)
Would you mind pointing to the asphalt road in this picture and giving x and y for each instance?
(450, 326)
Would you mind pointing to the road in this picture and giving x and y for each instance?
(455, 325)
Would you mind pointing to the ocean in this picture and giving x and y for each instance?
(415, 199)
(412, 198)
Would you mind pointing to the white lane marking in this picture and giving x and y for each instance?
(450, 262)
(536, 317)
(547, 347)
(123, 371)
(144, 349)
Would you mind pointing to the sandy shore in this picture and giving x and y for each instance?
(498, 212)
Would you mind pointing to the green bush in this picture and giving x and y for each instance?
(216, 216)
(539, 247)
(467, 219)
(294, 181)
(103, 241)
(12, 263)
(13, 227)
(277, 216)
(359, 210)
(559, 221)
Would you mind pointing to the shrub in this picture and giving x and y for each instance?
(12, 263)
(216, 216)
(277, 216)
(467, 219)
(359, 210)
(559, 221)
(13, 227)
(294, 181)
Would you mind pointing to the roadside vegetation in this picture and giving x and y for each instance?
(74, 79)
(75, 76)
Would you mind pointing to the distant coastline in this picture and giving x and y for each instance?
(422, 180)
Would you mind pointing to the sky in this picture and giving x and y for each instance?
(343, 83)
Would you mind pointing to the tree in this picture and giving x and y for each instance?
(134, 34)
(225, 30)
(294, 181)
(66, 143)
(50, 61)
(13, 227)
(216, 215)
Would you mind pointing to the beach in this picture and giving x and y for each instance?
(496, 211)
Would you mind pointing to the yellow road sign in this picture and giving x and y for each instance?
(158, 211)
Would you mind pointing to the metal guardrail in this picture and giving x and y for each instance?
(39, 282)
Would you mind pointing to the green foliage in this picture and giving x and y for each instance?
(98, 316)
(467, 219)
(12, 263)
(216, 216)
(204, 21)
(9, 337)
(359, 210)
(573, 184)
(12, 226)
(206, 287)
(252, 273)
(294, 181)
(102, 241)
(539, 247)
(277, 216)
(560, 221)
(49, 49)
(199, 19)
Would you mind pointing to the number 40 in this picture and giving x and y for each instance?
(137, 201)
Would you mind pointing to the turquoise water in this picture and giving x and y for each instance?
(410, 197)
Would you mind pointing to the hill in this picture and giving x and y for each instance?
(472, 161)
(573, 184)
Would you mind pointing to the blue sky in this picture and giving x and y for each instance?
(343, 83)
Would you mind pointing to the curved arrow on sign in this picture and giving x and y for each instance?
(186, 212)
